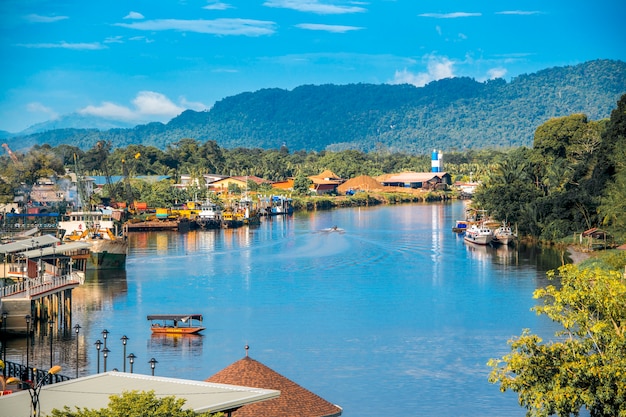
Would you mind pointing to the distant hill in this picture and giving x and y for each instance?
(77, 121)
(449, 114)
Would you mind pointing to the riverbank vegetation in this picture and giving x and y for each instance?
(585, 367)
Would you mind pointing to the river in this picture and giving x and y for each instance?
(394, 314)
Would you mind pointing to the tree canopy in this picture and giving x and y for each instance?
(585, 367)
(136, 404)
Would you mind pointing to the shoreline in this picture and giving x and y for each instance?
(577, 256)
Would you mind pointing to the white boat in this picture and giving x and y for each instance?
(210, 216)
(503, 235)
(107, 249)
(479, 234)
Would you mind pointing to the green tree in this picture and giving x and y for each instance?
(586, 366)
(301, 184)
(136, 404)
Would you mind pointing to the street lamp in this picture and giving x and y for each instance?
(27, 344)
(131, 359)
(77, 329)
(98, 345)
(124, 340)
(50, 335)
(105, 354)
(35, 388)
(4, 341)
(105, 333)
(153, 363)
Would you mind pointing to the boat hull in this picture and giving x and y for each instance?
(107, 254)
(478, 240)
(176, 330)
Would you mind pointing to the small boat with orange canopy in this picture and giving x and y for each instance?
(176, 323)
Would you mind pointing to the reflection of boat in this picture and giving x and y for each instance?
(503, 235)
(170, 323)
(108, 249)
(479, 234)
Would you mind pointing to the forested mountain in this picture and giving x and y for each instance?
(450, 114)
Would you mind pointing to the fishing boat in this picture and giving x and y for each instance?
(176, 323)
(479, 234)
(503, 235)
(107, 248)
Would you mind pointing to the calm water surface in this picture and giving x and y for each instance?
(396, 315)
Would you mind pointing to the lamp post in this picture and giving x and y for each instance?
(40, 262)
(50, 336)
(77, 329)
(27, 345)
(4, 342)
(131, 359)
(35, 388)
(98, 345)
(105, 354)
(124, 340)
(105, 333)
(153, 363)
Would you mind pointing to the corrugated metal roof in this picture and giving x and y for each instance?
(25, 244)
(93, 392)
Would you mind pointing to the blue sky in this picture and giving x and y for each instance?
(148, 60)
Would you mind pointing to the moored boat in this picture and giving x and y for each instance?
(209, 216)
(479, 234)
(503, 235)
(170, 323)
(107, 249)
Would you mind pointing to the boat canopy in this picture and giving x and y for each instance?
(179, 317)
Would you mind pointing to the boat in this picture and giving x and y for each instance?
(460, 226)
(479, 234)
(171, 323)
(503, 235)
(107, 248)
(209, 216)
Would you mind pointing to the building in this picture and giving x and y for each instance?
(294, 400)
(418, 180)
(93, 392)
(325, 182)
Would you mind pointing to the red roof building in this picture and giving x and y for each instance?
(294, 400)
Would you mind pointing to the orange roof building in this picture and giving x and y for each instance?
(294, 400)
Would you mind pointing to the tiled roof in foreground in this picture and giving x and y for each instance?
(294, 400)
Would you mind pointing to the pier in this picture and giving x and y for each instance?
(39, 274)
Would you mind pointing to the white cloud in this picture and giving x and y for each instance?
(494, 73)
(150, 103)
(109, 110)
(147, 105)
(217, 5)
(328, 28)
(36, 107)
(520, 12)
(193, 105)
(313, 6)
(134, 16)
(35, 18)
(437, 69)
(245, 27)
(65, 45)
(114, 39)
(450, 15)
